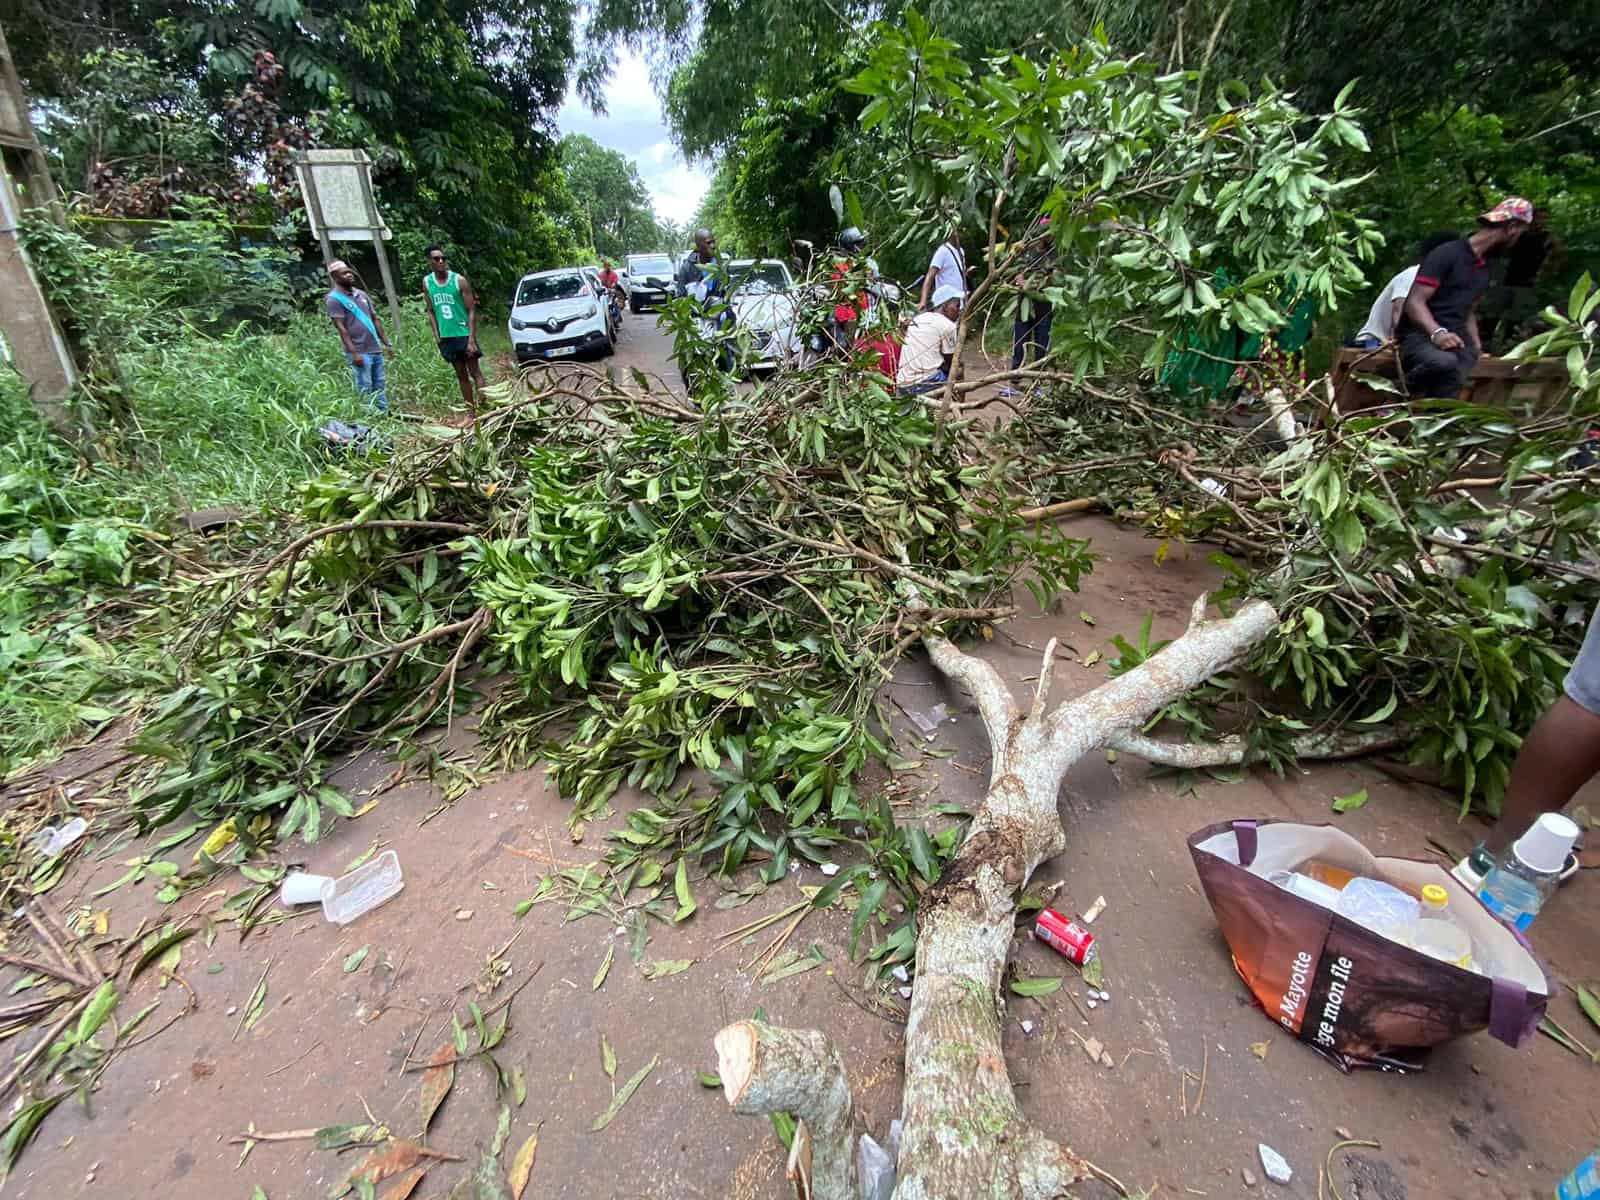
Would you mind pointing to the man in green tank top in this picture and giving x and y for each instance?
(453, 309)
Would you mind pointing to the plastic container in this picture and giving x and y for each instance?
(51, 841)
(1380, 907)
(1334, 877)
(1474, 868)
(1583, 1183)
(1525, 875)
(361, 891)
(1306, 888)
(1436, 933)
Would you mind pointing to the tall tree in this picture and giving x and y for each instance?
(613, 200)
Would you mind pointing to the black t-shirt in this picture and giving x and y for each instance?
(1460, 276)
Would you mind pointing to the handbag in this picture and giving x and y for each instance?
(1352, 994)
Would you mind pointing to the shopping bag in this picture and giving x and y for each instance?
(1352, 994)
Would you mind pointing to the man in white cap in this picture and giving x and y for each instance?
(350, 309)
(931, 344)
(1438, 329)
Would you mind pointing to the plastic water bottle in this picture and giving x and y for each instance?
(1526, 874)
(1436, 933)
(1583, 1183)
(1381, 907)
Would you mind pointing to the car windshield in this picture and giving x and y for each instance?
(543, 289)
(656, 264)
(762, 279)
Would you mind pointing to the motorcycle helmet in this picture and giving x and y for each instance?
(852, 240)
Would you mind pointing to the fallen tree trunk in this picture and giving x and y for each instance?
(963, 1131)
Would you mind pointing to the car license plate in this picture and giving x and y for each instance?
(558, 351)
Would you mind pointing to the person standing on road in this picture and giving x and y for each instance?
(1438, 330)
(1034, 314)
(930, 344)
(948, 269)
(350, 309)
(453, 310)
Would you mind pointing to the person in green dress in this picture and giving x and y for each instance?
(453, 309)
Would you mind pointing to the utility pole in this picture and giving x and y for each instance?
(31, 340)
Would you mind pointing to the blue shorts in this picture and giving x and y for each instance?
(1583, 680)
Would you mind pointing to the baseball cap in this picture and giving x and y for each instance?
(944, 294)
(1512, 208)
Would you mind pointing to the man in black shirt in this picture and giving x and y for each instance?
(1438, 330)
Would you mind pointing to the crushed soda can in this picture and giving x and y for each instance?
(1069, 939)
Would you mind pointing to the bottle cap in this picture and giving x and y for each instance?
(1545, 846)
(1434, 896)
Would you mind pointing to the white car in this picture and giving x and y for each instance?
(648, 280)
(767, 308)
(558, 314)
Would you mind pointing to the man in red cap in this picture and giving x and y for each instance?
(1438, 330)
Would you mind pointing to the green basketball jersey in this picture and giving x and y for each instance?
(448, 308)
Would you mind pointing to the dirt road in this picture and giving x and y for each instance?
(333, 1040)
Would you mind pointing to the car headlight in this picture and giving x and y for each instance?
(516, 324)
(592, 310)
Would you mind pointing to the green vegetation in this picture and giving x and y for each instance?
(218, 412)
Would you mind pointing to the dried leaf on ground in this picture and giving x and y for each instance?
(353, 963)
(256, 1005)
(388, 1160)
(605, 967)
(406, 1184)
(437, 1081)
(519, 1085)
(662, 967)
(624, 1094)
(522, 1165)
(608, 1058)
(1259, 1049)
(337, 1137)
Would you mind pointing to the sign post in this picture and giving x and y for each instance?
(30, 338)
(337, 186)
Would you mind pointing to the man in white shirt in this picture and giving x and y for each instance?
(948, 268)
(1386, 308)
(930, 344)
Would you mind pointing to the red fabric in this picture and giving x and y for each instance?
(888, 352)
(1427, 282)
(609, 278)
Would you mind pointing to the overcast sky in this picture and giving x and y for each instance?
(633, 126)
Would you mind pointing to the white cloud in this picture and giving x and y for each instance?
(633, 126)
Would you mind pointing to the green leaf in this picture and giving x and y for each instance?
(21, 1130)
(90, 1020)
(159, 947)
(1350, 803)
(608, 1058)
(663, 967)
(870, 900)
(624, 1094)
(1381, 713)
(353, 963)
(605, 968)
(1037, 987)
(680, 888)
(1590, 1004)
(707, 1080)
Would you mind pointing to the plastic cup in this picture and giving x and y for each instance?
(301, 888)
(1546, 845)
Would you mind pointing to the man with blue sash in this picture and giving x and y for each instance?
(365, 347)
